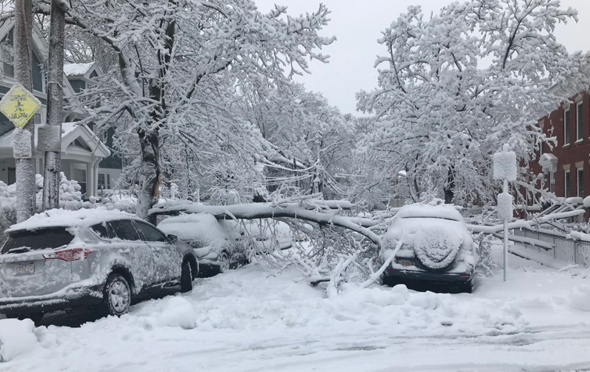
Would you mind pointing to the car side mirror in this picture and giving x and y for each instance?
(172, 238)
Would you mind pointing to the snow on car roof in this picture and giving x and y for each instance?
(199, 226)
(62, 217)
(445, 211)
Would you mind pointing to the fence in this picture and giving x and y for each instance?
(564, 248)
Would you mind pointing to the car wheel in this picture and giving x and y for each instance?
(223, 262)
(186, 277)
(117, 295)
(466, 287)
(35, 317)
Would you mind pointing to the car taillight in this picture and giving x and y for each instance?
(70, 254)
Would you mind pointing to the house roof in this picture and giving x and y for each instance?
(77, 69)
(72, 135)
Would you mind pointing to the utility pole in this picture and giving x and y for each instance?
(25, 164)
(51, 132)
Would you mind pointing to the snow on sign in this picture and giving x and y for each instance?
(19, 105)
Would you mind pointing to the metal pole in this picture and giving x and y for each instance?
(505, 190)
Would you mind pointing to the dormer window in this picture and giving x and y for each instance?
(7, 54)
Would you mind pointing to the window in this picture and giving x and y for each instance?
(566, 127)
(37, 73)
(567, 183)
(104, 230)
(7, 49)
(125, 229)
(52, 237)
(580, 182)
(101, 181)
(80, 176)
(150, 233)
(579, 122)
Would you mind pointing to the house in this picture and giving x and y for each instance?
(83, 152)
(80, 76)
(567, 164)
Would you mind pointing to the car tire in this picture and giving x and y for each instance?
(466, 287)
(116, 295)
(35, 317)
(224, 262)
(186, 277)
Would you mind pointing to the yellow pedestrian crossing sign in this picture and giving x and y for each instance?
(19, 105)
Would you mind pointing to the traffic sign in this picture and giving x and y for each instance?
(19, 105)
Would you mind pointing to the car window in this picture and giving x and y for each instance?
(125, 229)
(150, 233)
(103, 230)
(38, 239)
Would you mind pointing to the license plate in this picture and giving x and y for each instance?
(24, 269)
(404, 262)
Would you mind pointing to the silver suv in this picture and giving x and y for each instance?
(64, 259)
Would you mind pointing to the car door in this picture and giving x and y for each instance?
(167, 260)
(128, 242)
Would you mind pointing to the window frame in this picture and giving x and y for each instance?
(567, 183)
(580, 182)
(566, 127)
(579, 122)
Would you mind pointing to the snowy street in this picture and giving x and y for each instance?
(250, 320)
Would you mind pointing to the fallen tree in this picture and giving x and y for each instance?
(271, 210)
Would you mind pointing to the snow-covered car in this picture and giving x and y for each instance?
(433, 246)
(267, 234)
(221, 245)
(217, 244)
(63, 259)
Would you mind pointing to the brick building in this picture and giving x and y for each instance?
(567, 164)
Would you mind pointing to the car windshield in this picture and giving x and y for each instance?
(28, 240)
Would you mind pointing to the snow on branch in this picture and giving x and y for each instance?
(254, 211)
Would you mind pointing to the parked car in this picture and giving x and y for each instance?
(63, 259)
(221, 245)
(216, 246)
(435, 248)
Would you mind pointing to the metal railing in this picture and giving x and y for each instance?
(565, 248)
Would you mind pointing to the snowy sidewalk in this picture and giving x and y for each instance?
(247, 320)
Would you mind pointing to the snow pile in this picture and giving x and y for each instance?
(16, 337)
(178, 312)
(579, 298)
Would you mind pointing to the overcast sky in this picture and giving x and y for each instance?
(358, 24)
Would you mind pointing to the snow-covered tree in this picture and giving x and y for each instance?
(455, 86)
(177, 57)
(311, 141)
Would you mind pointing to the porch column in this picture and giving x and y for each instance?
(90, 178)
(95, 173)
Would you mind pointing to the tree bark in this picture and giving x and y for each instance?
(25, 167)
(149, 182)
(54, 104)
(449, 189)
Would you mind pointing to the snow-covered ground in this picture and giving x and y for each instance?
(251, 320)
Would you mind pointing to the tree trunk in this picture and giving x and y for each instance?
(150, 173)
(449, 188)
(25, 167)
(54, 105)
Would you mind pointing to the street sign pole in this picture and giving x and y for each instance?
(505, 170)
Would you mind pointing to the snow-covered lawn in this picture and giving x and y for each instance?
(250, 320)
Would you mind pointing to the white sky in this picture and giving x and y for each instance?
(358, 24)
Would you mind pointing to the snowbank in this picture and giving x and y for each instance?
(16, 337)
